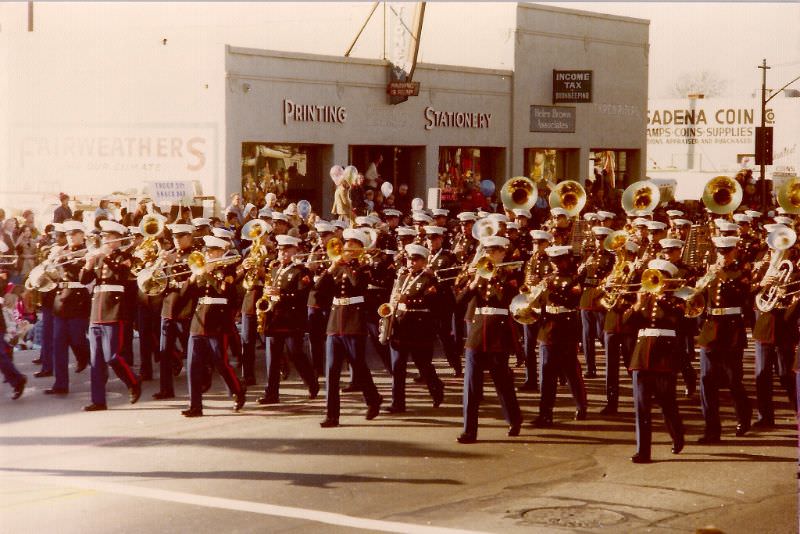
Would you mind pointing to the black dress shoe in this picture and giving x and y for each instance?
(19, 388)
(705, 439)
(590, 374)
(313, 391)
(42, 374)
(677, 445)
(192, 412)
(56, 391)
(82, 364)
(135, 391)
(513, 430)
(95, 407)
(581, 414)
(640, 459)
(609, 410)
(764, 423)
(241, 397)
(542, 422)
(268, 399)
(466, 438)
(528, 386)
(438, 397)
(374, 409)
(177, 366)
(351, 388)
(329, 423)
(742, 428)
(161, 395)
(394, 409)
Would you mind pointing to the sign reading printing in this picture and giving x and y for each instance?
(572, 86)
(171, 191)
(552, 119)
(293, 112)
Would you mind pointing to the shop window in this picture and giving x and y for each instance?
(547, 165)
(463, 167)
(291, 171)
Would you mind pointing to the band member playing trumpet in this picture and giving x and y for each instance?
(655, 362)
(319, 300)
(439, 259)
(71, 308)
(177, 309)
(414, 302)
(286, 324)
(537, 267)
(489, 340)
(558, 335)
(346, 326)
(110, 268)
(212, 285)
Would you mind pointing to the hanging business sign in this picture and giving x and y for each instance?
(572, 86)
(552, 119)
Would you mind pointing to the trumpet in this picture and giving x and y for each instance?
(486, 268)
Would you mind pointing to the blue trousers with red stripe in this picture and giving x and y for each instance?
(107, 346)
(205, 351)
(560, 358)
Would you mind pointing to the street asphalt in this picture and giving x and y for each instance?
(144, 468)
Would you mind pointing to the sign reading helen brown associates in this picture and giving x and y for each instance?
(572, 86)
(552, 119)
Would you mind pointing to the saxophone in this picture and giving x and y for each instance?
(387, 310)
(265, 305)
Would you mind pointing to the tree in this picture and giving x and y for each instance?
(705, 82)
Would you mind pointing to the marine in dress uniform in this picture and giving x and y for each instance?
(248, 310)
(444, 319)
(177, 308)
(319, 300)
(147, 319)
(655, 362)
(214, 290)
(381, 275)
(46, 305)
(347, 328)
(286, 322)
(464, 247)
(414, 299)
(722, 339)
(591, 272)
(489, 342)
(536, 268)
(559, 335)
(110, 269)
(71, 308)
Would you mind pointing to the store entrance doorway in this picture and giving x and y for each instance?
(395, 164)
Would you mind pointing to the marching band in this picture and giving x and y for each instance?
(646, 282)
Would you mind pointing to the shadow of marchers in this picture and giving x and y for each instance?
(313, 480)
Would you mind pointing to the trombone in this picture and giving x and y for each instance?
(486, 268)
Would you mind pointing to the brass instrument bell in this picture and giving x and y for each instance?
(569, 195)
(722, 195)
(615, 241)
(519, 193)
(643, 195)
(789, 195)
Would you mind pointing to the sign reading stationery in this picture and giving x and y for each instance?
(572, 86)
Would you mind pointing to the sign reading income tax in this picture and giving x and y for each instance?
(572, 86)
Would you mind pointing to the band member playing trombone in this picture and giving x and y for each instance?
(592, 272)
(286, 322)
(71, 308)
(413, 302)
(211, 283)
(490, 338)
(110, 268)
(444, 261)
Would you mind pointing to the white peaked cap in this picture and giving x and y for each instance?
(412, 249)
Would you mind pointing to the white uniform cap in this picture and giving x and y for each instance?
(742, 218)
(674, 213)
(559, 250)
(719, 221)
(358, 235)
(606, 214)
(591, 216)
(656, 225)
(494, 241)
(373, 220)
(728, 227)
(265, 212)
(541, 235)
(440, 212)
(482, 214)
(771, 213)
(201, 221)
(466, 216)
(278, 216)
(681, 222)
(181, 228)
(134, 230)
(520, 212)
(670, 243)
(752, 213)
(362, 220)
(640, 222)
(287, 241)
(291, 209)
(780, 210)
(421, 216)
(784, 220)
(412, 249)
(113, 226)
(499, 217)
(248, 207)
(392, 213)
(339, 223)
(213, 241)
(223, 233)
(405, 231)
(631, 246)
(438, 230)
(58, 227)
(555, 212)
(512, 226)
(773, 227)
(74, 226)
(323, 227)
(725, 242)
(663, 265)
(601, 230)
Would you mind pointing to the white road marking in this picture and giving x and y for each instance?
(192, 499)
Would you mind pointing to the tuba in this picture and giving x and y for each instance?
(519, 193)
(254, 230)
(722, 195)
(147, 251)
(641, 196)
(780, 269)
(789, 196)
(569, 195)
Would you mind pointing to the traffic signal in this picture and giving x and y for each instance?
(763, 145)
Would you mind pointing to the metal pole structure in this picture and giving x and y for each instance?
(30, 16)
(762, 167)
(350, 49)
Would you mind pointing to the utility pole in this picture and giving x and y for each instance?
(762, 167)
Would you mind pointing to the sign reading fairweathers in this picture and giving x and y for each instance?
(676, 122)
